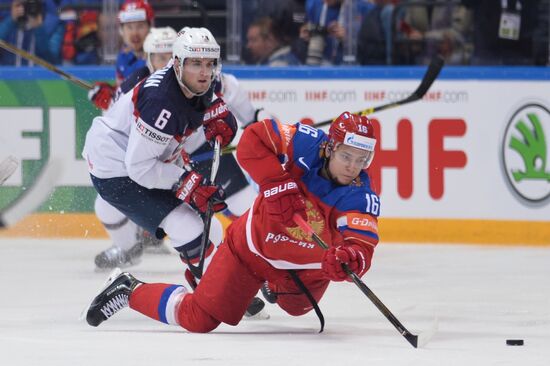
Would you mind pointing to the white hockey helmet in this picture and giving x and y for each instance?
(196, 43)
(159, 40)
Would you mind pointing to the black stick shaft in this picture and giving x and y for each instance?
(411, 338)
(37, 60)
(197, 270)
(429, 77)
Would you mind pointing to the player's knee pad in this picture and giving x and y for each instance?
(193, 318)
(107, 213)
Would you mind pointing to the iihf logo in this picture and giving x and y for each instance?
(525, 151)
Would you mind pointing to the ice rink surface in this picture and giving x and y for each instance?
(481, 296)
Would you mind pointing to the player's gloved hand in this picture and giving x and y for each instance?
(193, 189)
(218, 120)
(352, 255)
(101, 95)
(222, 128)
(282, 199)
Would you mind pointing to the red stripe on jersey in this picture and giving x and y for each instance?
(135, 92)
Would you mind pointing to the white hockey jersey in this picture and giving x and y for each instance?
(142, 132)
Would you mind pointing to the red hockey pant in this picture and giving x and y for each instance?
(233, 279)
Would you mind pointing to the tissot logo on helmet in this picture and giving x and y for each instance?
(525, 150)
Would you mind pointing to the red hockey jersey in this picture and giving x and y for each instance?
(341, 215)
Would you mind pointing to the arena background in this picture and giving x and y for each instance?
(445, 166)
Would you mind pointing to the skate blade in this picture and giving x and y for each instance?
(114, 274)
(132, 263)
(158, 249)
(261, 315)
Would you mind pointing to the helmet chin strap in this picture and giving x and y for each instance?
(325, 165)
(185, 87)
(150, 64)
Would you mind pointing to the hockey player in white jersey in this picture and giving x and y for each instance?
(131, 149)
(129, 240)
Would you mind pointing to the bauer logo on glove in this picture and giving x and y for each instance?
(193, 189)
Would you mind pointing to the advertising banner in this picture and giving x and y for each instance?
(468, 163)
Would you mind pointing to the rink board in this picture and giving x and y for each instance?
(466, 164)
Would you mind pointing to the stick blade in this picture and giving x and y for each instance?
(436, 64)
(33, 196)
(7, 168)
(424, 337)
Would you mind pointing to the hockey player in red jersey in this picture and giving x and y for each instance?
(300, 170)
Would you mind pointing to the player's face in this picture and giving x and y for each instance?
(197, 73)
(134, 33)
(346, 163)
(159, 60)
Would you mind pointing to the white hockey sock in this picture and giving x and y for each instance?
(121, 230)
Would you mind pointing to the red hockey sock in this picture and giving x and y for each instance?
(158, 301)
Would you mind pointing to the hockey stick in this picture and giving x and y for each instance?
(37, 60)
(7, 168)
(33, 196)
(197, 270)
(415, 340)
(431, 74)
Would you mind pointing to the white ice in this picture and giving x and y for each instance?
(481, 296)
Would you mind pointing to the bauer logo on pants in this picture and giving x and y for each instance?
(525, 150)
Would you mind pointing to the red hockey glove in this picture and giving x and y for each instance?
(282, 198)
(221, 128)
(218, 120)
(334, 257)
(101, 95)
(193, 189)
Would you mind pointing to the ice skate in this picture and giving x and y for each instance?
(117, 257)
(256, 310)
(113, 297)
(151, 244)
(268, 294)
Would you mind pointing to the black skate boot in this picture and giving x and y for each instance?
(151, 244)
(112, 298)
(269, 296)
(114, 257)
(255, 308)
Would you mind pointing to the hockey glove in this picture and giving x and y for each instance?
(194, 190)
(218, 120)
(101, 95)
(282, 198)
(334, 257)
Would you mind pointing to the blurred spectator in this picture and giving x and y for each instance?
(289, 15)
(81, 42)
(450, 34)
(435, 27)
(136, 18)
(323, 32)
(374, 38)
(32, 25)
(541, 36)
(266, 45)
(504, 32)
